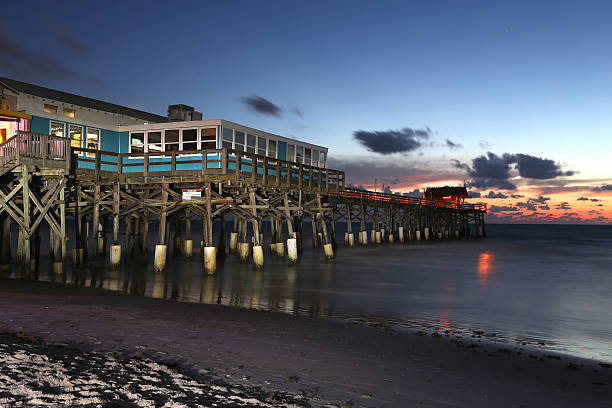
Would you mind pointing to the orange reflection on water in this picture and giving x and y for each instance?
(485, 266)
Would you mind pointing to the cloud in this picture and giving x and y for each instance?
(395, 181)
(262, 105)
(526, 205)
(495, 208)
(563, 206)
(582, 199)
(387, 190)
(297, 111)
(363, 170)
(489, 171)
(483, 144)
(516, 196)
(453, 145)
(25, 64)
(607, 187)
(493, 194)
(359, 187)
(474, 194)
(539, 199)
(544, 207)
(538, 168)
(493, 171)
(392, 141)
(67, 37)
(414, 193)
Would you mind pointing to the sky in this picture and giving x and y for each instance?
(511, 98)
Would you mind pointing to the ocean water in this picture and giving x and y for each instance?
(545, 286)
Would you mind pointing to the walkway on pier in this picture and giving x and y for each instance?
(45, 178)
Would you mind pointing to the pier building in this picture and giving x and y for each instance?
(105, 165)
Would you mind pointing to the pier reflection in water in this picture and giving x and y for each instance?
(518, 285)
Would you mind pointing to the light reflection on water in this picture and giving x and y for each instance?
(517, 285)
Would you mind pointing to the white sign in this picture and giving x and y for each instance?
(190, 194)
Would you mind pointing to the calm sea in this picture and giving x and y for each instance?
(549, 286)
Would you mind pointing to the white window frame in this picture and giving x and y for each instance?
(164, 140)
(181, 142)
(144, 142)
(161, 141)
(85, 139)
(200, 140)
(60, 123)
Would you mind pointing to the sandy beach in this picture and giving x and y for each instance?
(287, 360)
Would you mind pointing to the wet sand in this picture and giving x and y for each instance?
(321, 361)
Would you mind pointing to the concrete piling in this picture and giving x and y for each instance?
(243, 249)
(426, 234)
(115, 255)
(378, 237)
(210, 260)
(400, 233)
(258, 256)
(292, 250)
(329, 251)
(159, 263)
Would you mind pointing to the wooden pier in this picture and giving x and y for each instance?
(44, 179)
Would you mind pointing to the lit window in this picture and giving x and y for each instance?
(154, 142)
(137, 142)
(190, 139)
(50, 109)
(228, 138)
(290, 152)
(92, 141)
(76, 135)
(208, 138)
(57, 129)
(239, 141)
(171, 140)
(261, 146)
(272, 148)
(68, 112)
(251, 143)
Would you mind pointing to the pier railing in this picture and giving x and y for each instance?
(34, 146)
(364, 195)
(237, 164)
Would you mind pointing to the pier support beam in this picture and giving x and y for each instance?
(188, 244)
(161, 249)
(115, 254)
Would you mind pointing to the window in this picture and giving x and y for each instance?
(307, 156)
(92, 141)
(190, 139)
(68, 112)
(75, 133)
(315, 158)
(239, 141)
(171, 141)
(154, 142)
(228, 138)
(261, 146)
(137, 142)
(208, 138)
(272, 148)
(299, 154)
(57, 129)
(50, 109)
(322, 159)
(251, 143)
(290, 152)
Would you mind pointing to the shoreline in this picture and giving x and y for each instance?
(326, 362)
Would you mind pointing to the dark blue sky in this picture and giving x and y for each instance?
(509, 76)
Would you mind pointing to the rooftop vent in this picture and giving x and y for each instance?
(181, 113)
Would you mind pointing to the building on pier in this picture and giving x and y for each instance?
(97, 125)
(449, 194)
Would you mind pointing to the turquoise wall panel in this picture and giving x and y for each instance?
(39, 125)
(282, 150)
(124, 142)
(109, 141)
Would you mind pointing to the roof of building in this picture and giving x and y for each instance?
(30, 89)
(446, 191)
